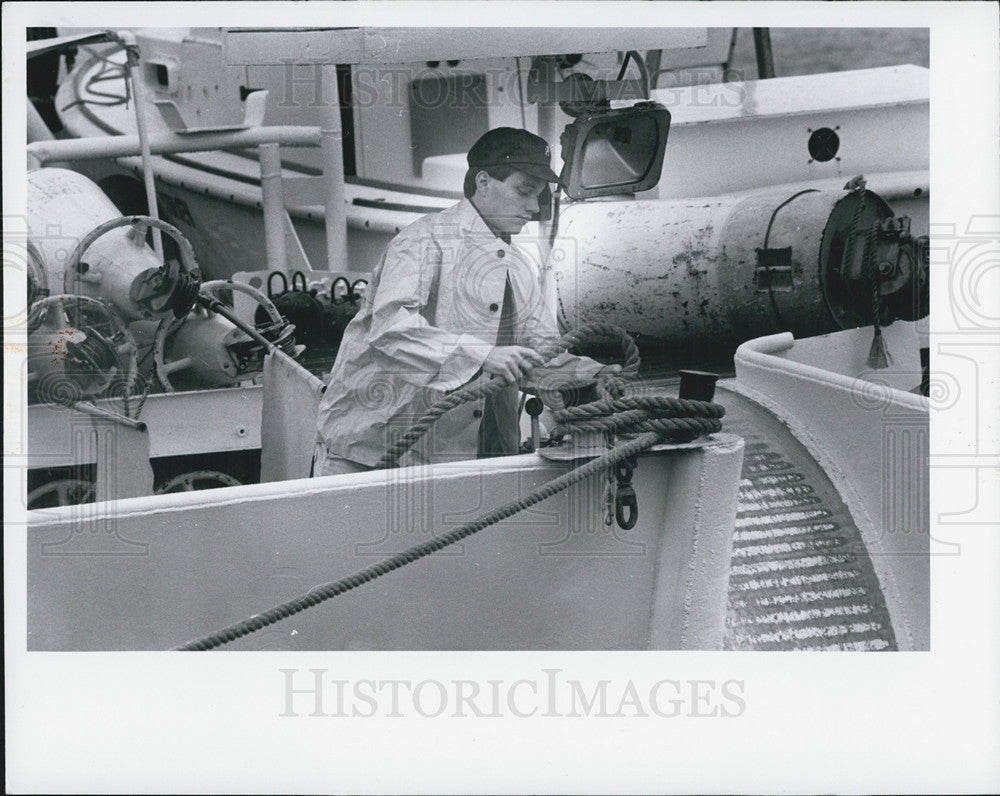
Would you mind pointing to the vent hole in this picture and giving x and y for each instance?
(824, 144)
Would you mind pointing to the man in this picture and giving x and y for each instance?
(453, 296)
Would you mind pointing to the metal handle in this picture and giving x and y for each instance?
(284, 283)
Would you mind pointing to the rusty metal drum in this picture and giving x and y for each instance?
(724, 268)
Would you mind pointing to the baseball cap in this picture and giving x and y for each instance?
(510, 146)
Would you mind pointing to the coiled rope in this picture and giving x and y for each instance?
(658, 418)
(485, 387)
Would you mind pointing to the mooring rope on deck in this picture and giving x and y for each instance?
(656, 418)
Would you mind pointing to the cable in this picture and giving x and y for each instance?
(335, 588)
(625, 60)
(767, 265)
(658, 417)
(486, 387)
(554, 230)
(108, 71)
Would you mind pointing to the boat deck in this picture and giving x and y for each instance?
(800, 576)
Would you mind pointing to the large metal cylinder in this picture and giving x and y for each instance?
(200, 351)
(63, 206)
(77, 348)
(691, 270)
(68, 365)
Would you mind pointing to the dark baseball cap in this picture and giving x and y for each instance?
(510, 146)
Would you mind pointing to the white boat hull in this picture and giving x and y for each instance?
(153, 573)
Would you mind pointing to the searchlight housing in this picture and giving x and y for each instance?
(613, 152)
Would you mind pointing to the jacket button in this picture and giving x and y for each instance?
(477, 413)
(494, 307)
(501, 253)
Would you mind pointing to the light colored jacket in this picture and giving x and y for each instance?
(429, 318)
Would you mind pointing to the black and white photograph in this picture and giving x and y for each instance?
(549, 377)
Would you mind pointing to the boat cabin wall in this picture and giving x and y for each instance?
(396, 116)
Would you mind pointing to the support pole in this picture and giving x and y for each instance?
(765, 58)
(132, 64)
(331, 137)
(168, 143)
(273, 198)
(544, 74)
(546, 77)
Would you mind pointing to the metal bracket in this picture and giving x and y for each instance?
(773, 273)
(577, 87)
(626, 506)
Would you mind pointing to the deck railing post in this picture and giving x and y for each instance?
(134, 80)
(273, 199)
(333, 174)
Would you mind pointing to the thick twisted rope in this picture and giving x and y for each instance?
(485, 387)
(657, 417)
(871, 244)
(671, 418)
(878, 355)
(326, 591)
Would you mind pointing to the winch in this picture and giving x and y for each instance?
(82, 248)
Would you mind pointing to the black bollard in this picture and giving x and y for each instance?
(697, 385)
(534, 408)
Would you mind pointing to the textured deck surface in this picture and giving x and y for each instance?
(801, 577)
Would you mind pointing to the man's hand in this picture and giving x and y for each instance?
(511, 362)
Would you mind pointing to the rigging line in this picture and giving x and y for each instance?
(328, 590)
(655, 419)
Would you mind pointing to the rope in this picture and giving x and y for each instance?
(869, 267)
(858, 186)
(656, 417)
(328, 590)
(148, 383)
(878, 355)
(485, 387)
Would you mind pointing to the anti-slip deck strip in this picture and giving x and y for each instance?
(800, 577)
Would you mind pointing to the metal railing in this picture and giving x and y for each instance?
(267, 139)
